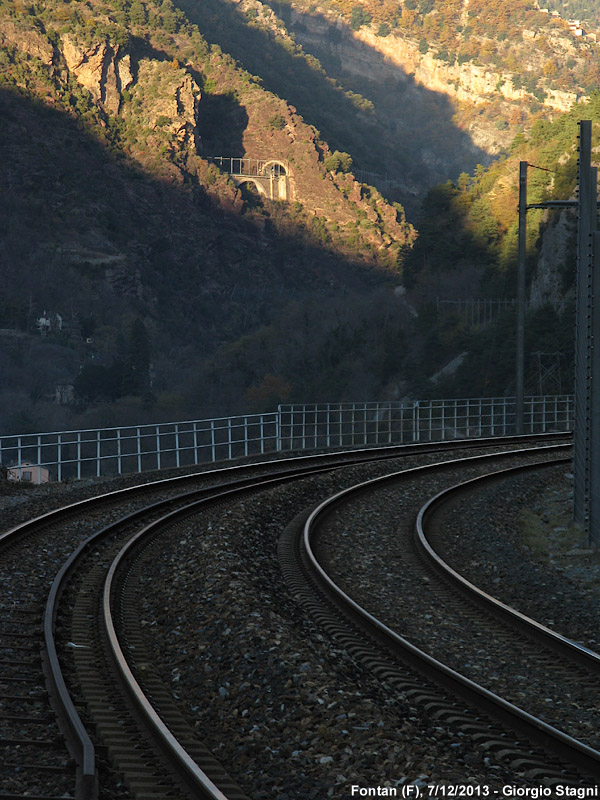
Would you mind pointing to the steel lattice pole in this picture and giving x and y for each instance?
(583, 327)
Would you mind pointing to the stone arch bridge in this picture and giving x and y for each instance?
(270, 177)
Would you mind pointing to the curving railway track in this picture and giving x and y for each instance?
(476, 638)
(107, 720)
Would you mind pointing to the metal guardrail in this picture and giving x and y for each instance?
(404, 422)
(72, 455)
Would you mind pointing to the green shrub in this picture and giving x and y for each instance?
(276, 122)
(359, 17)
(338, 162)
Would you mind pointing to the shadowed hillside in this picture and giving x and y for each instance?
(92, 238)
(382, 117)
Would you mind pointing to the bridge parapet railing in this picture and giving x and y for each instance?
(73, 455)
(250, 167)
(333, 425)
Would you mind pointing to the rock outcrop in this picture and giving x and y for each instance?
(398, 57)
(103, 69)
(28, 40)
(547, 282)
(167, 97)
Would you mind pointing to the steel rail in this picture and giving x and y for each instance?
(78, 740)
(198, 781)
(546, 635)
(357, 455)
(576, 752)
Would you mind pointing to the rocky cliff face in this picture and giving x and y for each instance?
(399, 57)
(28, 40)
(166, 96)
(467, 82)
(558, 243)
(103, 69)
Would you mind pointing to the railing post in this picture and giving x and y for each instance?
(278, 424)
(195, 441)
(177, 455)
(304, 427)
(39, 457)
(416, 423)
(119, 461)
(58, 458)
(157, 434)
(138, 437)
(213, 446)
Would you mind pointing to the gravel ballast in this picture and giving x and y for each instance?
(289, 713)
(283, 708)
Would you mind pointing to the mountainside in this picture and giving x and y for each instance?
(499, 63)
(143, 281)
(440, 85)
(116, 214)
(469, 237)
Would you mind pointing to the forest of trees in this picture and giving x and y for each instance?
(583, 10)
(488, 33)
(467, 246)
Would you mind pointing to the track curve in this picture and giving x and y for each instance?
(67, 531)
(580, 755)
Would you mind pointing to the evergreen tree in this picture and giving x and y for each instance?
(137, 13)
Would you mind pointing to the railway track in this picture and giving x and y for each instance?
(475, 637)
(77, 620)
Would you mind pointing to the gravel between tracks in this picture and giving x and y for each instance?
(529, 554)
(368, 538)
(294, 715)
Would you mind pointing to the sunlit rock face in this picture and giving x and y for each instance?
(103, 69)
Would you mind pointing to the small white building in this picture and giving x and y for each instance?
(575, 27)
(28, 473)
